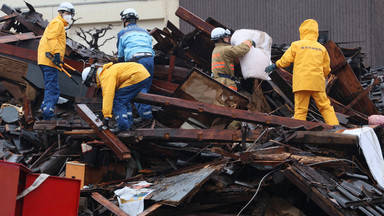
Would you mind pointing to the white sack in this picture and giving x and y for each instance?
(254, 62)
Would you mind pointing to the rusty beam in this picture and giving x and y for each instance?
(164, 86)
(27, 110)
(194, 20)
(107, 136)
(18, 37)
(18, 52)
(108, 204)
(209, 135)
(226, 112)
(347, 82)
(7, 17)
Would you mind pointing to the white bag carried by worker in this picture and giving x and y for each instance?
(254, 62)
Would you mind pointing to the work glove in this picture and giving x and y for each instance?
(56, 59)
(120, 59)
(254, 44)
(270, 68)
(105, 124)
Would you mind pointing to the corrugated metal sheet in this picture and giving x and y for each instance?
(348, 21)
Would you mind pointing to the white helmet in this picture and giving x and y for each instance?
(85, 73)
(66, 6)
(129, 13)
(218, 33)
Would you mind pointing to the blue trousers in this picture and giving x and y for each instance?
(52, 91)
(122, 106)
(145, 110)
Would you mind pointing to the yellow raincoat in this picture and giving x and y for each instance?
(53, 41)
(115, 76)
(311, 64)
(310, 59)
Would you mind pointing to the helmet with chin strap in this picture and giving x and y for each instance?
(219, 33)
(66, 6)
(129, 14)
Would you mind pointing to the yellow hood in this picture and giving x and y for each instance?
(309, 30)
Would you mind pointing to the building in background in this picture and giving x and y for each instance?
(351, 23)
(99, 14)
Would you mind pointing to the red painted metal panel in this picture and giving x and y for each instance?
(55, 196)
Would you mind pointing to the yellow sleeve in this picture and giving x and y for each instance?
(108, 86)
(326, 64)
(53, 32)
(287, 58)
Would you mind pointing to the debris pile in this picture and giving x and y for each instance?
(178, 163)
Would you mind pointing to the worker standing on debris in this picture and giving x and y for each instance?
(311, 64)
(224, 55)
(54, 42)
(134, 44)
(120, 83)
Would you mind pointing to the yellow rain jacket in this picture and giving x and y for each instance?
(310, 59)
(53, 41)
(223, 57)
(112, 77)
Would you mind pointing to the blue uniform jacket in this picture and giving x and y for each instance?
(133, 39)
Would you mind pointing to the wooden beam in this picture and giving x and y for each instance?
(194, 20)
(19, 52)
(150, 209)
(209, 135)
(107, 136)
(347, 82)
(325, 137)
(18, 37)
(226, 112)
(108, 204)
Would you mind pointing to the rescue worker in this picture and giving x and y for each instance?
(311, 65)
(134, 44)
(223, 69)
(120, 83)
(224, 55)
(54, 42)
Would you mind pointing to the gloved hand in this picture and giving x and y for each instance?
(270, 68)
(254, 43)
(120, 59)
(56, 59)
(105, 124)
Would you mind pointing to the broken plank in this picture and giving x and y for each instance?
(170, 134)
(283, 156)
(108, 204)
(194, 20)
(347, 82)
(226, 112)
(150, 209)
(325, 137)
(107, 136)
(18, 37)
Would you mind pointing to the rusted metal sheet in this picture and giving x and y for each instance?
(107, 136)
(348, 86)
(173, 190)
(108, 204)
(226, 112)
(194, 20)
(303, 176)
(164, 86)
(214, 135)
